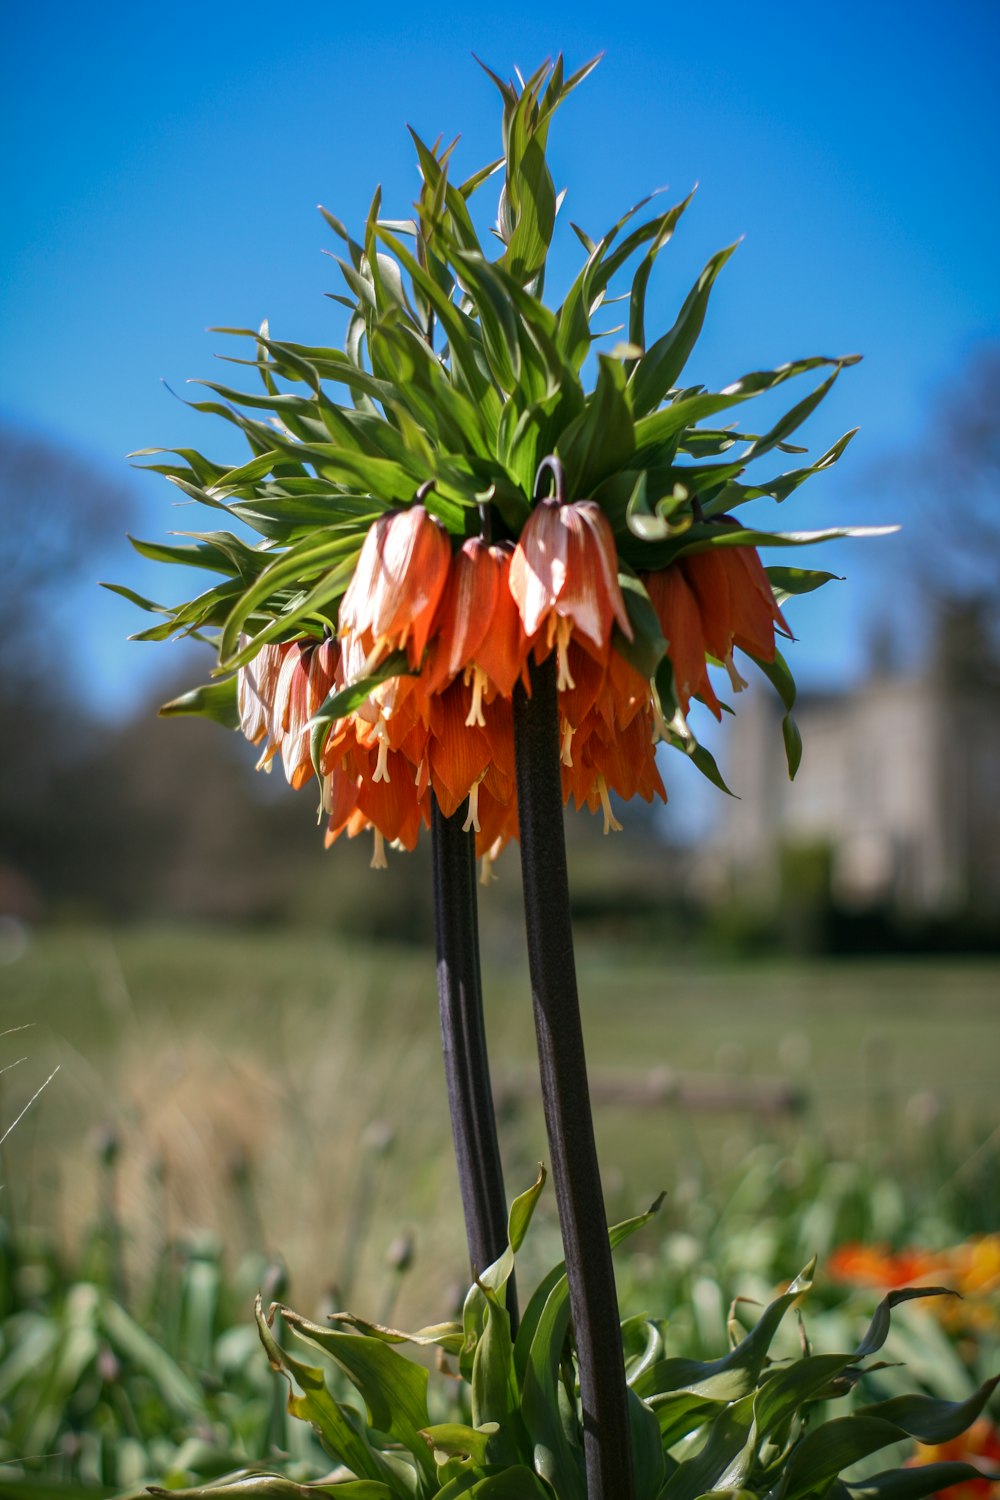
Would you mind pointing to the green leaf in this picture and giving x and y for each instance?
(602, 438)
(878, 1328)
(393, 1388)
(929, 1419)
(462, 355)
(779, 675)
(521, 1211)
(256, 1486)
(735, 1374)
(647, 1446)
(216, 701)
(535, 218)
(664, 228)
(518, 1483)
(315, 554)
(340, 1426)
(779, 488)
(790, 1389)
(647, 517)
(657, 428)
(727, 1440)
(134, 598)
(457, 1440)
(656, 372)
(828, 1450)
(914, 1484)
(495, 1396)
(787, 582)
(647, 647)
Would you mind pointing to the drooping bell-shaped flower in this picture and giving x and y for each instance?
(680, 621)
(735, 603)
(255, 687)
(394, 593)
(564, 579)
(278, 693)
(477, 630)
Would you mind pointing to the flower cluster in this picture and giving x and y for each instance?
(971, 1268)
(460, 628)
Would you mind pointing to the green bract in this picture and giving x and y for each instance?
(744, 1425)
(455, 381)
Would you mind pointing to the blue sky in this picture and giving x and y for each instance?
(163, 166)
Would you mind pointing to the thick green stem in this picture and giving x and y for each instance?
(565, 1094)
(463, 1041)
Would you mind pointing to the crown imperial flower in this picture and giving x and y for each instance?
(397, 585)
(564, 576)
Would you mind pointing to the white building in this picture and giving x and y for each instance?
(899, 782)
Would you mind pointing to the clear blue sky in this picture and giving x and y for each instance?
(162, 166)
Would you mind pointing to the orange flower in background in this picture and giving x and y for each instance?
(971, 1268)
(877, 1266)
(980, 1445)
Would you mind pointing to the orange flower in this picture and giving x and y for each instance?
(255, 685)
(878, 1266)
(564, 575)
(477, 631)
(735, 603)
(982, 1441)
(468, 624)
(278, 693)
(393, 596)
(680, 620)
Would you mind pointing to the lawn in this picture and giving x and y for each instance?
(281, 1089)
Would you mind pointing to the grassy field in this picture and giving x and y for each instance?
(278, 1089)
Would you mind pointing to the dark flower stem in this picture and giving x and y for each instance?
(565, 1094)
(463, 1041)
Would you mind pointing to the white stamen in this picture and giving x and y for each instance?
(475, 714)
(738, 683)
(381, 772)
(611, 823)
(563, 629)
(379, 861)
(472, 816)
(566, 745)
(486, 873)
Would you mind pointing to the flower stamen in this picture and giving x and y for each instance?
(564, 628)
(737, 682)
(479, 680)
(611, 823)
(472, 817)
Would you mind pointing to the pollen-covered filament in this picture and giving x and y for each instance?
(611, 823)
(379, 861)
(563, 630)
(472, 816)
(737, 682)
(381, 772)
(479, 681)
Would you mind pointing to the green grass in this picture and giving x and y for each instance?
(253, 1080)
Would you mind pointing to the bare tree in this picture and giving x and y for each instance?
(60, 513)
